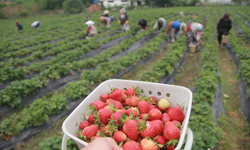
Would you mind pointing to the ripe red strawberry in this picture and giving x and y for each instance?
(121, 111)
(104, 115)
(104, 97)
(158, 125)
(133, 110)
(119, 136)
(176, 123)
(168, 110)
(152, 106)
(90, 131)
(116, 104)
(91, 118)
(155, 114)
(116, 116)
(176, 113)
(153, 100)
(84, 124)
(144, 116)
(131, 145)
(160, 140)
(149, 131)
(117, 94)
(99, 105)
(130, 92)
(170, 147)
(130, 128)
(171, 132)
(134, 100)
(148, 144)
(143, 107)
(165, 118)
(127, 101)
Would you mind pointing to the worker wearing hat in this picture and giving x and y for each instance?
(105, 13)
(91, 31)
(193, 33)
(223, 27)
(35, 24)
(19, 26)
(161, 24)
(176, 28)
(123, 19)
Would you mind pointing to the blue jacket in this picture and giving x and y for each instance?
(176, 25)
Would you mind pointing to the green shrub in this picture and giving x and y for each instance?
(73, 6)
(24, 13)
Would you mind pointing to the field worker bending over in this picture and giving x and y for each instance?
(106, 20)
(91, 31)
(19, 26)
(193, 33)
(223, 27)
(35, 24)
(143, 24)
(161, 23)
(176, 28)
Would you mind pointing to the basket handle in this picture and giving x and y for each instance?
(64, 142)
(189, 141)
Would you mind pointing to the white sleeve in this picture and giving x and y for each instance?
(156, 24)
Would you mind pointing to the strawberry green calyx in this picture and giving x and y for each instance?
(137, 90)
(142, 125)
(124, 118)
(92, 109)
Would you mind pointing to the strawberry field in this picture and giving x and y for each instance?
(45, 73)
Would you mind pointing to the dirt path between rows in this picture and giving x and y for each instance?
(234, 126)
(188, 73)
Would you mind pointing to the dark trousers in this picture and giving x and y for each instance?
(220, 37)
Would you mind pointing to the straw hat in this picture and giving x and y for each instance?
(123, 10)
(183, 25)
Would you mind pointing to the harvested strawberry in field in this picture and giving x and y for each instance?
(168, 110)
(104, 115)
(155, 114)
(170, 147)
(144, 116)
(165, 118)
(133, 101)
(90, 131)
(152, 106)
(116, 116)
(160, 140)
(91, 118)
(95, 137)
(117, 94)
(110, 129)
(119, 136)
(147, 129)
(104, 97)
(127, 101)
(84, 124)
(148, 144)
(133, 110)
(171, 132)
(99, 104)
(153, 100)
(176, 113)
(130, 128)
(139, 139)
(143, 107)
(158, 125)
(176, 123)
(131, 145)
(115, 103)
(121, 111)
(133, 91)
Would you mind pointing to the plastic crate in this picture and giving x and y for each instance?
(174, 94)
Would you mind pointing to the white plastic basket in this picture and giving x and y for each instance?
(175, 94)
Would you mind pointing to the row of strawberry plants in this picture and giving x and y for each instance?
(104, 71)
(26, 88)
(206, 133)
(243, 54)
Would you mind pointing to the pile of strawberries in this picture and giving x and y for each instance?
(135, 122)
